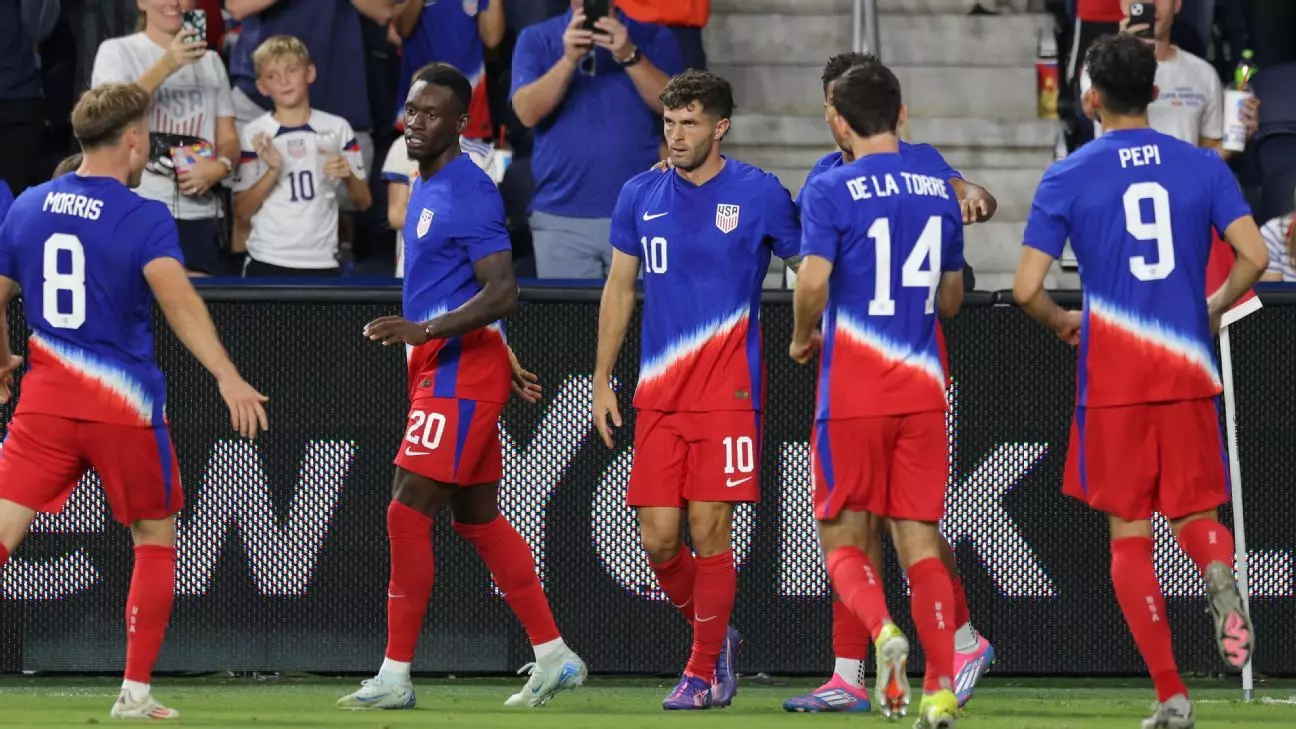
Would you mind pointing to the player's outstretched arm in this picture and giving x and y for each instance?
(808, 302)
(1252, 260)
(1029, 293)
(9, 363)
(977, 203)
(188, 317)
(615, 311)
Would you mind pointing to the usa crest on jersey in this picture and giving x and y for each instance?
(297, 148)
(726, 218)
(425, 222)
(470, 8)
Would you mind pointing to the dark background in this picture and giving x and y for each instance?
(303, 348)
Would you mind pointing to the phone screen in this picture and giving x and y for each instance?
(195, 20)
(1143, 20)
(595, 9)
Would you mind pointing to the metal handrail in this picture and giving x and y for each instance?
(864, 24)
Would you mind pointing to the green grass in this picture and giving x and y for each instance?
(614, 704)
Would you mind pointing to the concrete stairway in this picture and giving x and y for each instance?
(969, 82)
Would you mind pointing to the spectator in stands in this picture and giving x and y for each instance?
(457, 32)
(592, 98)
(685, 18)
(1280, 238)
(1190, 100)
(398, 168)
(192, 98)
(1093, 20)
(22, 106)
(288, 184)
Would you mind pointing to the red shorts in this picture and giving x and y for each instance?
(1133, 460)
(894, 466)
(45, 455)
(683, 457)
(453, 441)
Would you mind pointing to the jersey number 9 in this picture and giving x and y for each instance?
(64, 294)
(1158, 230)
(926, 251)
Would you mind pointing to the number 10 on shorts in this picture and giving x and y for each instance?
(740, 455)
(424, 432)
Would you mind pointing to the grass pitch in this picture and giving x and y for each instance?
(53, 701)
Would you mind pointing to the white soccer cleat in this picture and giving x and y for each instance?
(561, 670)
(379, 694)
(146, 708)
(892, 692)
(1173, 713)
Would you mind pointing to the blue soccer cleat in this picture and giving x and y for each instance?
(690, 694)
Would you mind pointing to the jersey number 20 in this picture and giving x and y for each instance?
(927, 250)
(57, 282)
(1158, 230)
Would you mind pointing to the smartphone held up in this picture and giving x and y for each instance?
(594, 10)
(196, 21)
(1142, 20)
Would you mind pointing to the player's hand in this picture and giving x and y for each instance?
(267, 152)
(526, 385)
(1250, 115)
(7, 371)
(614, 37)
(801, 352)
(605, 407)
(394, 330)
(203, 176)
(975, 210)
(664, 166)
(184, 49)
(337, 167)
(247, 412)
(576, 40)
(1068, 327)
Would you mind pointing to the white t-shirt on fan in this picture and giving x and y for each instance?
(188, 102)
(297, 225)
(1190, 106)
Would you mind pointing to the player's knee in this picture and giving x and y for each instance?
(1177, 525)
(710, 536)
(661, 546)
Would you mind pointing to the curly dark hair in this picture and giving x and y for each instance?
(703, 87)
(868, 97)
(843, 62)
(1123, 69)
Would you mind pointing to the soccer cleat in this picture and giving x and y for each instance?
(1173, 713)
(1233, 631)
(834, 696)
(970, 667)
(725, 686)
(561, 670)
(377, 693)
(690, 694)
(892, 682)
(938, 711)
(146, 708)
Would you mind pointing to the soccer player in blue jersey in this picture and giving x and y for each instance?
(845, 691)
(458, 285)
(883, 252)
(6, 199)
(91, 257)
(1138, 207)
(702, 234)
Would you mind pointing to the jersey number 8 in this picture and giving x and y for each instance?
(1158, 230)
(913, 275)
(57, 282)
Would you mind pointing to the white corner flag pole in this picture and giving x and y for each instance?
(1235, 484)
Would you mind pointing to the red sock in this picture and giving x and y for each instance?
(714, 591)
(1207, 541)
(961, 614)
(148, 609)
(509, 560)
(850, 637)
(413, 570)
(931, 602)
(1139, 595)
(676, 577)
(859, 587)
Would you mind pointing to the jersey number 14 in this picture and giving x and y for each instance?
(70, 286)
(926, 251)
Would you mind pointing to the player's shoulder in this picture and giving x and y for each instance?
(760, 180)
(645, 181)
(321, 121)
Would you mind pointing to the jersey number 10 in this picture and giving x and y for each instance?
(926, 251)
(57, 282)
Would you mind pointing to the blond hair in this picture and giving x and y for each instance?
(276, 47)
(104, 112)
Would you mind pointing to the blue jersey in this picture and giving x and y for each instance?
(78, 247)
(1138, 207)
(705, 251)
(923, 158)
(890, 230)
(454, 219)
(6, 199)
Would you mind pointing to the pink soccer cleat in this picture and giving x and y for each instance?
(970, 667)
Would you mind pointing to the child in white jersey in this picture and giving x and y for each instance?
(293, 161)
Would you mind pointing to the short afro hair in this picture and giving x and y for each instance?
(447, 76)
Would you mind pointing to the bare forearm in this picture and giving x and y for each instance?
(379, 11)
(358, 191)
(1242, 277)
(248, 202)
(808, 304)
(156, 75)
(1042, 308)
(492, 303)
(193, 326)
(649, 82)
(407, 17)
(242, 9)
(491, 25)
(537, 100)
(614, 320)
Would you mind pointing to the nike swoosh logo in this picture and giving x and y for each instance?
(648, 217)
(411, 452)
(706, 620)
(732, 483)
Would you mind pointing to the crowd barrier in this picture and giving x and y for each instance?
(283, 555)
